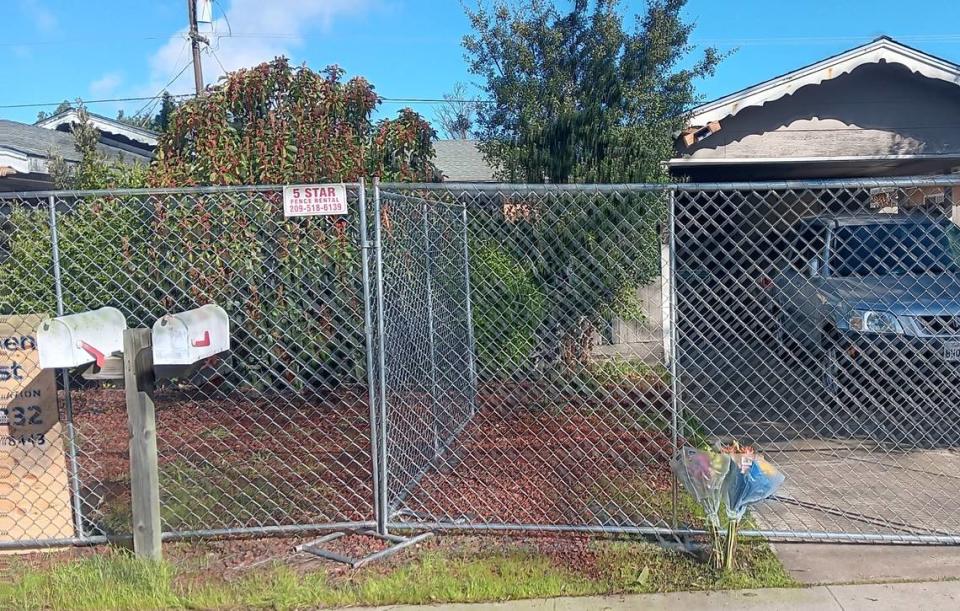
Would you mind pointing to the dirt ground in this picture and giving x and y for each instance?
(237, 461)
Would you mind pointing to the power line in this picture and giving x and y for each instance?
(164, 88)
(97, 101)
(190, 95)
(794, 40)
(152, 103)
(105, 39)
(435, 101)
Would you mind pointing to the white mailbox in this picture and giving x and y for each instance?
(181, 342)
(79, 339)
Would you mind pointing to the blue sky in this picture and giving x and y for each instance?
(64, 49)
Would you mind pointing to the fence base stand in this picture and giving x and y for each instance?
(397, 544)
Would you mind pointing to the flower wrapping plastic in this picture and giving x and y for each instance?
(703, 473)
(751, 479)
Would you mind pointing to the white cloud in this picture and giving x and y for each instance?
(106, 84)
(263, 29)
(43, 18)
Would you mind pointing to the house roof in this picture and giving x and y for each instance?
(145, 137)
(26, 148)
(35, 141)
(883, 49)
(461, 161)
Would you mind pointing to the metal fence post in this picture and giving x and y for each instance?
(67, 400)
(381, 360)
(674, 403)
(428, 255)
(471, 345)
(365, 247)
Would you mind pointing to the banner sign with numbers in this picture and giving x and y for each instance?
(314, 200)
(34, 491)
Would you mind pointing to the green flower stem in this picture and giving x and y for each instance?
(731, 544)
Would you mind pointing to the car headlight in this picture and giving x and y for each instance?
(872, 321)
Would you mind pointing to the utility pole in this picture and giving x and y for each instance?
(195, 40)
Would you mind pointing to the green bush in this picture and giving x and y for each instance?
(507, 309)
(26, 285)
(583, 254)
(292, 288)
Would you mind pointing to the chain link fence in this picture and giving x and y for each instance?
(500, 357)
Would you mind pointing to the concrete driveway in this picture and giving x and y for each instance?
(841, 476)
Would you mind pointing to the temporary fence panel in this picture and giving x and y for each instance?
(500, 357)
(566, 432)
(816, 321)
(276, 437)
(427, 355)
(43, 458)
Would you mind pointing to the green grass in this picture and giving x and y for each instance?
(214, 496)
(109, 581)
(620, 370)
(116, 580)
(647, 568)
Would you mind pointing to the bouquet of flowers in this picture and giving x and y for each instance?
(750, 479)
(702, 473)
(734, 476)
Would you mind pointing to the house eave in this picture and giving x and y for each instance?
(880, 50)
(117, 128)
(695, 161)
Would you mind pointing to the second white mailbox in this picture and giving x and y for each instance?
(188, 338)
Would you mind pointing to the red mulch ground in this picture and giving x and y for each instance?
(239, 461)
(589, 463)
(242, 461)
(268, 462)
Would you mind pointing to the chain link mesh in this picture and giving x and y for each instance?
(536, 354)
(562, 432)
(818, 324)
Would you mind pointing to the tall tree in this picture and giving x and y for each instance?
(578, 96)
(276, 124)
(61, 107)
(167, 105)
(457, 113)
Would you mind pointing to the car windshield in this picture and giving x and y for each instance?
(896, 249)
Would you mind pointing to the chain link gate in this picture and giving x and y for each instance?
(515, 357)
(556, 432)
(818, 321)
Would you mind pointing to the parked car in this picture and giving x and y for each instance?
(873, 302)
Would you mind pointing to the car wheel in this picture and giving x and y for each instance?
(830, 371)
(785, 346)
(835, 419)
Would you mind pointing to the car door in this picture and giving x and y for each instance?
(797, 286)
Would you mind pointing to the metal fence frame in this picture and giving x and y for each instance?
(375, 313)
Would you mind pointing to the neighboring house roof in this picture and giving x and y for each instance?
(25, 152)
(461, 161)
(66, 119)
(883, 49)
(36, 141)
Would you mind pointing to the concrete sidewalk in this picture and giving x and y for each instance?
(873, 597)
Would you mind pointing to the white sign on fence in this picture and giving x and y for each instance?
(314, 200)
